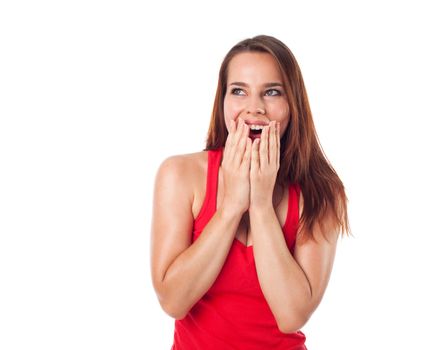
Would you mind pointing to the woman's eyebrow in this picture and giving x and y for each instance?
(240, 83)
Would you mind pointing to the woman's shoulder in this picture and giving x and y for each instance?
(183, 169)
(185, 162)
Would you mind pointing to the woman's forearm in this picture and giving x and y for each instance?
(282, 280)
(194, 271)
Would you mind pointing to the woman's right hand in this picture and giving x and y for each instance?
(236, 168)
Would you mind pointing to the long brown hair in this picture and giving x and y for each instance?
(302, 160)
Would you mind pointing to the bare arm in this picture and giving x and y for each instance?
(293, 285)
(183, 272)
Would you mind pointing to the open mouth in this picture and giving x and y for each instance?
(255, 131)
(255, 134)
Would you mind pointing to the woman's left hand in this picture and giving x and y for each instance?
(265, 162)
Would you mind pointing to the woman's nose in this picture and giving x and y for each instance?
(256, 106)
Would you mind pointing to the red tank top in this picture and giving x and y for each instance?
(234, 314)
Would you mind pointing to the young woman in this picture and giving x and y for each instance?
(244, 233)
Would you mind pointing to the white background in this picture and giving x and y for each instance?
(95, 94)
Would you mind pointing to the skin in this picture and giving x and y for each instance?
(182, 272)
(248, 101)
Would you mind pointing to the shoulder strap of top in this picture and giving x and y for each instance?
(291, 225)
(209, 204)
(214, 157)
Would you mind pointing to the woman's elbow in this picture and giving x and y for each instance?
(293, 325)
(170, 302)
(174, 311)
(172, 308)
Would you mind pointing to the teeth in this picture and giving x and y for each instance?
(256, 127)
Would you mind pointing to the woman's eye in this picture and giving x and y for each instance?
(277, 92)
(273, 92)
(235, 90)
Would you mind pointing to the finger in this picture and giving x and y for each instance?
(241, 146)
(247, 155)
(232, 126)
(263, 148)
(255, 162)
(228, 143)
(278, 145)
(238, 132)
(234, 139)
(272, 143)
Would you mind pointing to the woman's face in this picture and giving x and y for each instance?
(255, 91)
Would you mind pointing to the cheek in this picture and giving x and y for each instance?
(283, 126)
(285, 119)
(231, 112)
